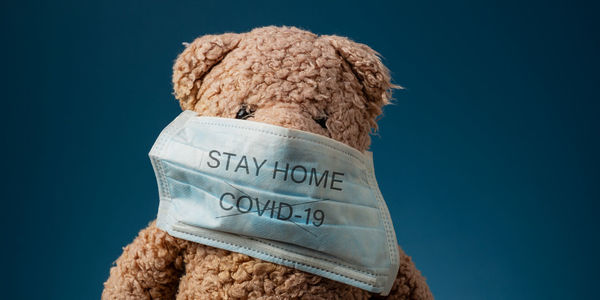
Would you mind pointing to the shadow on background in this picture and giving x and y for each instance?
(488, 160)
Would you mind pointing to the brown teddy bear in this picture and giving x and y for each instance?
(328, 85)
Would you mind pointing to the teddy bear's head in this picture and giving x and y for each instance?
(288, 77)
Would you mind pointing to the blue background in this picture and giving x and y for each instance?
(488, 160)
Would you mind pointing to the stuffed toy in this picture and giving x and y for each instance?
(326, 89)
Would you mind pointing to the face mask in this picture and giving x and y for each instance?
(281, 195)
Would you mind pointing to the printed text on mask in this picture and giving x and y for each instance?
(297, 174)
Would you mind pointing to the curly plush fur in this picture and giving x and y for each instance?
(287, 77)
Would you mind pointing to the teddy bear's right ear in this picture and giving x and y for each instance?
(196, 61)
(365, 63)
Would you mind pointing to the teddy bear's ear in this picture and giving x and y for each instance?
(366, 65)
(196, 61)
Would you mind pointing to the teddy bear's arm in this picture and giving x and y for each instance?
(149, 268)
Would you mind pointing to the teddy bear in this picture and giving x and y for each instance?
(284, 76)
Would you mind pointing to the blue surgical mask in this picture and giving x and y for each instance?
(281, 195)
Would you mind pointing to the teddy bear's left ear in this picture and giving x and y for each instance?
(366, 65)
(196, 61)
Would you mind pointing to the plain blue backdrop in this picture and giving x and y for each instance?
(488, 160)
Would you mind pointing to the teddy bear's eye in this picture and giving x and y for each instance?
(321, 121)
(244, 113)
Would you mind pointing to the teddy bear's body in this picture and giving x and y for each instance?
(283, 76)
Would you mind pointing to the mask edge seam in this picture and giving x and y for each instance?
(273, 256)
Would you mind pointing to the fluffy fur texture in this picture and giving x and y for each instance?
(283, 76)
